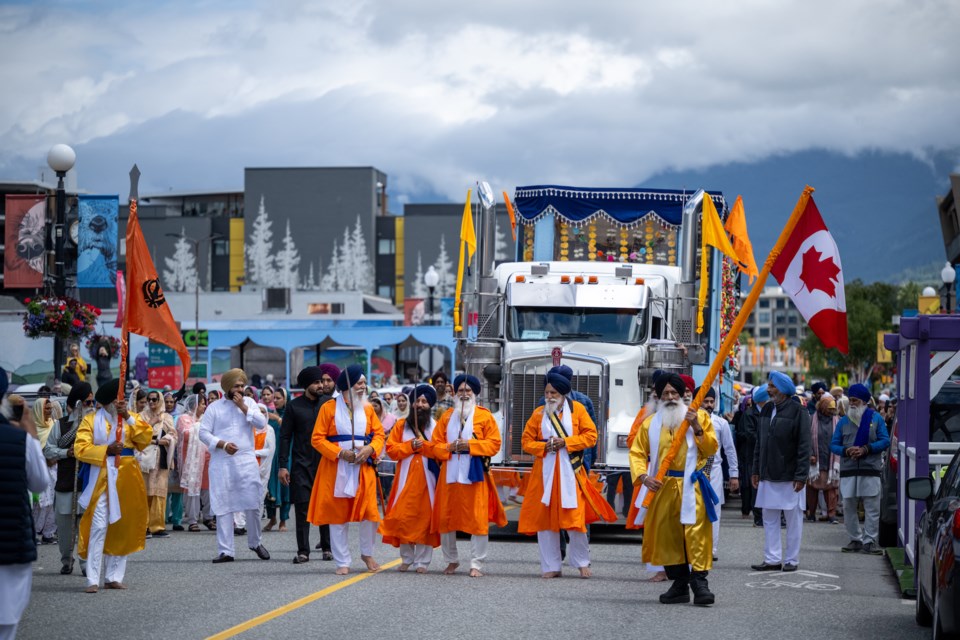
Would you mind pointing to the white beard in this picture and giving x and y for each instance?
(672, 416)
(552, 406)
(466, 408)
(855, 414)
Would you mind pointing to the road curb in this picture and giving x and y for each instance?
(903, 571)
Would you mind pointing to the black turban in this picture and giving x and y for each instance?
(349, 377)
(308, 376)
(559, 382)
(711, 393)
(425, 391)
(78, 392)
(472, 381)
(107, 393)
(671, 379)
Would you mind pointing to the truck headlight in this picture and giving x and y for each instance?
(622, 442)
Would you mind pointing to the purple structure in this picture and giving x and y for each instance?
(927, 352)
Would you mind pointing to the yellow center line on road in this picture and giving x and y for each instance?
(296, 604)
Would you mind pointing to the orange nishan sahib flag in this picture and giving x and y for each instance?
(713, 235)
(736, 226)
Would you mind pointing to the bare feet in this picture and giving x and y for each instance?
(421, 569)
(270, 525)
(283, 526)
(585, 572)
(114, 585)
(551, 574)
(659, 576)
(91, 589)
(476, 573)
(403, 568)
(372, 565)
(342, 571)
(451, 568)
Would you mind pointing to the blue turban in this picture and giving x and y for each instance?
(349, 377)
(760, 393)
(818, 386)
(559, 382)
(425, 391)
(563, 370)
(783, 383)
(472, 381)
(860, 392)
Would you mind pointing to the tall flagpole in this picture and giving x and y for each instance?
(680, 436)
(125, 331)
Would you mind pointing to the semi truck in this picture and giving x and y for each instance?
(605, 283)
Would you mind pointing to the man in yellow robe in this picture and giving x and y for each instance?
(115, 521)
(677, 527)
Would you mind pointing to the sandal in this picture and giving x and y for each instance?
(194, 527)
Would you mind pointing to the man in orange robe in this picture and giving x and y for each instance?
(559, 495)
(407, 521)
(467, 498)
(347, 434)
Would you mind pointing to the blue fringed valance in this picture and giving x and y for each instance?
(627, 208)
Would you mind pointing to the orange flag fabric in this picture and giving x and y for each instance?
(147, 312)
(712, 235)
(736, 226)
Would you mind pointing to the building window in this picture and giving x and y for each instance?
(764, 332)
(764, 317)
(325, 308)
(221, 247)
(764, 303)
(792, 332)
(386, 247)
(781, 332)
(781, 303)
(385, 291)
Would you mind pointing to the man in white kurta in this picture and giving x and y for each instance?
(725, 437)
(227, 430)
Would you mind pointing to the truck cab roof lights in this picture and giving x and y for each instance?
(578, 280)
(638, 281)
(521, 278)
(593, 280)
(564, 279)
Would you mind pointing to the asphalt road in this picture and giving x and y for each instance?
(174, 591)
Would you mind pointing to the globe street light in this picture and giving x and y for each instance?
(948, 274)
(431, 278)
(61, 159)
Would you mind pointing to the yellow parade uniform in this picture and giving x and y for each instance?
(665, 540)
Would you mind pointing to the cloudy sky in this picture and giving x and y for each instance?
(439, 94)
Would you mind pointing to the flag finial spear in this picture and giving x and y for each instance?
(134, 183)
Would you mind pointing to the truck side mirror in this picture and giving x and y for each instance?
(919, 488)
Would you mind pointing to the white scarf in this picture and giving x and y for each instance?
(458, 466)
(191, 476)
(688, 505)
(568, 482)
(404, 468)
(348, 474)
(101, 436)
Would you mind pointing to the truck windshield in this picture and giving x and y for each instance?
(563, 323)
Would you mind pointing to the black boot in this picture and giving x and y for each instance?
(701, 592)
(679, 591)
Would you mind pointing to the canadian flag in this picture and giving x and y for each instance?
(809, 271)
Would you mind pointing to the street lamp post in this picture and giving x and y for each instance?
(431, 278)
(61, 159)
(196, 289)
(948, 274)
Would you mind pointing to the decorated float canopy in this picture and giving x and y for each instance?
(602, 224)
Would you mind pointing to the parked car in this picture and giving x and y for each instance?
(935, 551)
(944, 427)
(30, 392)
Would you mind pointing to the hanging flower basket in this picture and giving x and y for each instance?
(63, 318)
(95, 341)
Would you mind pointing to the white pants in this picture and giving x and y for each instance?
(225, 532)
(197, 508)
(115, 566)
(772, 551)
(478, 549)
(417, 556)
(870, 532)
(340, 545)
(716, 531)
(578, 550)
(240, 519)
(45, 521)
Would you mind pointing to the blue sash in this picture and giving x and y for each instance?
(365, 438)
(83, 470)
(863, 430)
(709, 495)
(433, 467)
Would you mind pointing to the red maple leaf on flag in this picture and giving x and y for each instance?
(819, 274)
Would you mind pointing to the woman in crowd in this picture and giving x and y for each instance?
(278, 495)
(45, 413)
(156, 460)
(194, 465)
